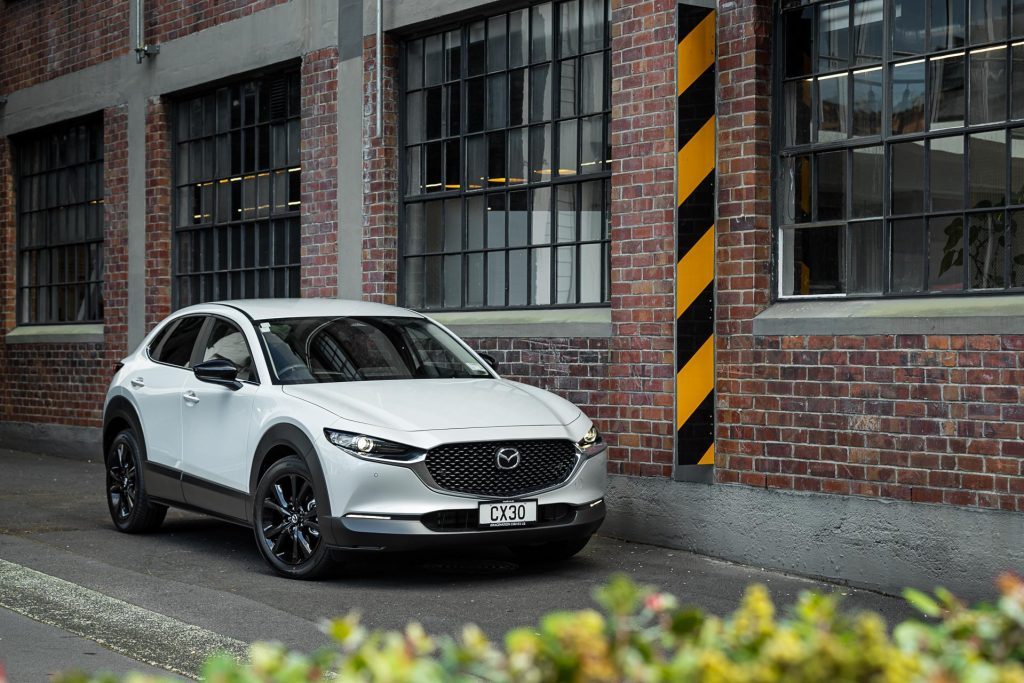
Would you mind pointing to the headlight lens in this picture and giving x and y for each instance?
(362, 444)
(591, 442)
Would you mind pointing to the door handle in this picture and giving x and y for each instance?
(190, 398)
(138, 383)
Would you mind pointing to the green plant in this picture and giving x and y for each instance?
(643, 635)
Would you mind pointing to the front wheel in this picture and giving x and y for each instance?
(286, 523)
(130, 507)
(550, 552)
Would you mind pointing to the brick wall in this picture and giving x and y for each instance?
(50, 38)
(158, 212)
(170, 19)
(319, 154)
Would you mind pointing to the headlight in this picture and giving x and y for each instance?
(591, 443)
(361, 444)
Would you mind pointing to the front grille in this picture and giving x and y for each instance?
(463, 520)
(473, 467)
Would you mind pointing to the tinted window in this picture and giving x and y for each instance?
(177, 348)
(228, 343)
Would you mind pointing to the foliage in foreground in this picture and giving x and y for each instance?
(643, 635)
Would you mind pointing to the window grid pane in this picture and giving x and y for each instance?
(60, 191)
(524, 128)
(908, 113)
(237, 190)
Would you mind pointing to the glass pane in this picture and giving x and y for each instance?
(567, 147)
(592, 152)
(1017, 256)
(540, 276)
(434, 113)
(453, 281)
(591, 269)
(518, 275)
(496, 47)
(591, 205)
(518, 37)
(866, 191)
(986, 250)
(453, 54)
(989, 20)
(518, 218)
(414, 282)
(948, 22)
(798, 112)
(592, 84)
(476, 162)
(476, 103)
(475, 280)
(453, 225)
(813, 260)
(540, 93)
(565, 275)
(540, 152)
(987, 169)
(795, 190)
(867, 31)
(908, 255)
(433, 60)
(593, 25)
(495, 221)
(433, 236)
(454, 109)
(518, 100)
(1017, 166)
(988, 85)
(1017, 28)
(567, 88)
(568, 28)
(799, 43)
(831, 186)
(946, 161)
(908, 97)
(517, 171)
(496, 158)
(947, 91)
(1017, 78)
(496, 278)
(565, 212)
(540, 217)
(832, 108)
(907, 175)
(497, 107)
(910, 32)
(865, 273)
(833, 35)
(476, 53)
(945, 258)
(433, 294)
(867, 101)
(434, 167)
(414, 64)
(475, 211)
(541, 34)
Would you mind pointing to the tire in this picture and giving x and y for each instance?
(286, 524)
(550, 552)
(130, 507)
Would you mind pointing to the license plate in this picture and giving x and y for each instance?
(518, 513)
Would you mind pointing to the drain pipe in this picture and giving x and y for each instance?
(380, 65)
(141, 49)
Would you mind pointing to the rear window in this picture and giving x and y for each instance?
(175, 348)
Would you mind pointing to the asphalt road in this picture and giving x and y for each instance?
(168, 597)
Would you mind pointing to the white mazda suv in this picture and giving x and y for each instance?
(338, 427)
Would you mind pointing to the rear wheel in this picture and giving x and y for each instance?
(130, 508)
(552, 551)
(286, 522)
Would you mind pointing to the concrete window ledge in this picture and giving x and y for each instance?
(55, 334)
(932, 315)
(550, 323)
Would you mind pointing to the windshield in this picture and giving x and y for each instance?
(308, 350)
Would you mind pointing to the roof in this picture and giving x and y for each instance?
(265, 309)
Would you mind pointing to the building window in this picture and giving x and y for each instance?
(60, 224)
(901, 147)
(506, 161)
(237, 185)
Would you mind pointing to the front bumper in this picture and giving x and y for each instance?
(405, 533)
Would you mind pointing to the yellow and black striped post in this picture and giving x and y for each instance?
(695, 242)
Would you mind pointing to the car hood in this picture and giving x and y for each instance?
(432, 404)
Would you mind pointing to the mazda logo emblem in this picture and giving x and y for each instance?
(507, 458)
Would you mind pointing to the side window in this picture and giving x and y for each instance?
(158, 340)
(177, 347)
(227, 342)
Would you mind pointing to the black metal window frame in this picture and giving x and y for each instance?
(463, 192)
(1007, 215)
(237, 189)
(60, 223)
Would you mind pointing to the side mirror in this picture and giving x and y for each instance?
(490, 360)
(218, 371)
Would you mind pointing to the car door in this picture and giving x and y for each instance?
(157, 391)
(216, 423)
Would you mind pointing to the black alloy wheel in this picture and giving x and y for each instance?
(130, 507)
(286, 523)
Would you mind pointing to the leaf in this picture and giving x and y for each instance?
(922, 602)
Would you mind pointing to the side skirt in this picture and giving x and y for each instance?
(169, 486)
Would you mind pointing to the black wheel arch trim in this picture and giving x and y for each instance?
(121, 407)
(290, 436)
